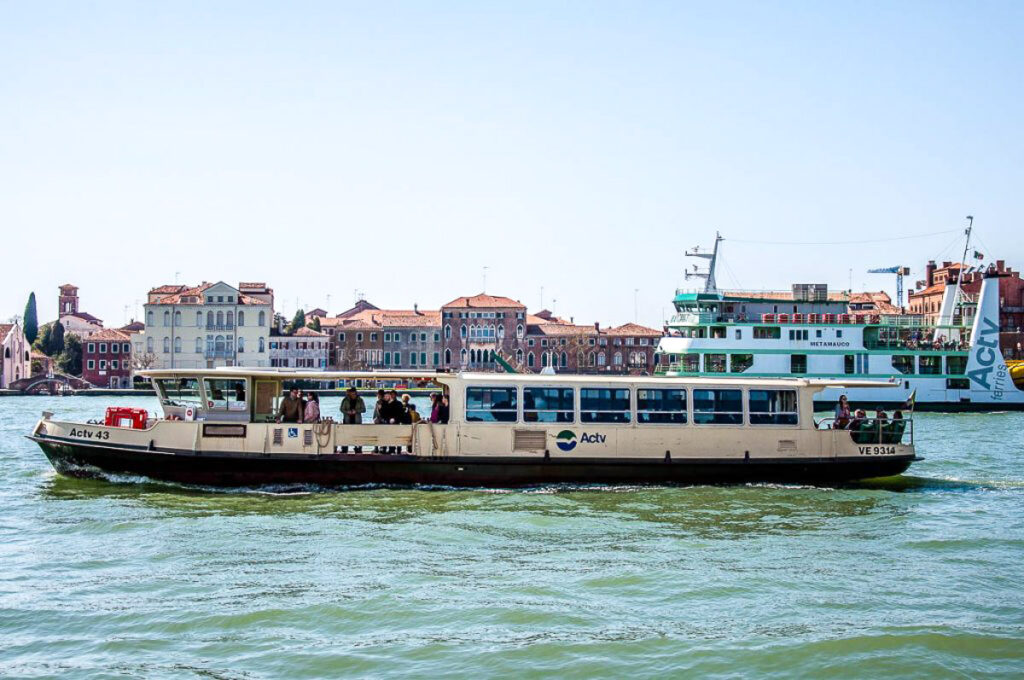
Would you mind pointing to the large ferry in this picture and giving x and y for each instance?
(220, 427)
(953, 365)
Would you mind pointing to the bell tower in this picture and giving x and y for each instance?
(68, 300)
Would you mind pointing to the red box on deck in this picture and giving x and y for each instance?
(122, 416)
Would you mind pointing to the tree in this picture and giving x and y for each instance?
(42, 342)
(31, 319)
(56, 343)
(142, 361)
(70, 360)
(297, 322)
(314, 324)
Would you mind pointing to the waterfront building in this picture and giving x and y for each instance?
(872, 303)
(213, 324)
(16, 354)
(474, 327)
(71, 317)
(305, 348)
(107, 359)
(370, 337)
(570, 348)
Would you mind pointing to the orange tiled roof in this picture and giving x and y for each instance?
(633, 329)
(5, 328)
(109, 334)
(197, 292)
(484, 301)
(930, 290)
(562, 329)
(306, 332)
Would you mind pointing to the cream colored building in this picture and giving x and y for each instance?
(213, 324)
(15, 350)
(305, 348)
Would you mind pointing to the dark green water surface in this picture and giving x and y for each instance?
(920, 575)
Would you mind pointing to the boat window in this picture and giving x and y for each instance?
(661, 406)
(849, 366)
(767, 332)
(738, 363)
(718, 407)
(491, 404)
(904, 363)
(604, 405)
(714, 363)
(180, 391)
(930, 365)
(548, 404)
(956, 365)
(226, 394)
(772, 407)
(797, 363)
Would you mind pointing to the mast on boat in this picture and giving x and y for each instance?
(710, 286)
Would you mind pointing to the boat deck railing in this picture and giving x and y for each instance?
(874, 430)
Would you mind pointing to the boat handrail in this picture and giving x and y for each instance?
(874, 431)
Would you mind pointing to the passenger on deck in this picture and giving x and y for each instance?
(290, 410)
(414, 416)
(352, 409)
(377, 419)
(435, 407)
(858, 424)
(391, 413)
(444, 411)
(842, 420)
(895, 428)
(312, 413)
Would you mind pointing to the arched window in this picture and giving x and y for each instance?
(263, 320)
(7, 352)
(218, 344)
(601, 361)
(149, 345)
(617, 359)
(241, 344)
(167, 318)
(199, 319)
(199, 345)
(27, 356)
(448, 353)
(590, 359)
(261, 339)
(209, 320)
(447, 331)
(530, 360)
(167, 345)
(241, 318)
(543, 359)
(642, 358)
(463, 355)
(220, 319)
(472, 356)
(149, 318)
(177, 345)
(501, 332)
(177, 318)
(231, 319)
(565, 360)
(519, 331)
(519, 356)
(462, 332)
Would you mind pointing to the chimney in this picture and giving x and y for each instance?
(415, 308)
(572, 320)
(929, 273)
(1000, 265)
(597, 326)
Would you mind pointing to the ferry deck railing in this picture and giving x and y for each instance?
(875, 430)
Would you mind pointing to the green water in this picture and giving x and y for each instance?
(918, 576)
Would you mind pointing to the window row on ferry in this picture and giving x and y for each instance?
(679, 406)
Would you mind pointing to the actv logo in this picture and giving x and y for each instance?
(566, 440)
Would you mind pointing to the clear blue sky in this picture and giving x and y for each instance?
(398, 148)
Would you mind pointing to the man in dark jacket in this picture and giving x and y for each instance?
(352, 409)
(290, 410)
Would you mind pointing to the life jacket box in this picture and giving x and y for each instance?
(123, 416)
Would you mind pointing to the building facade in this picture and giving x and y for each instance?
(16, 354)
(71, 317)
(107, 359)
(370, 337)
(570, 348)
(213, 324)
(474, 327)
(305, 348)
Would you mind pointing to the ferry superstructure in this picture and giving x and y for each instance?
(219, 427)
(953, 365)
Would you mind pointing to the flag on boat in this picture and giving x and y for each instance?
(979, 256)
(912, 399)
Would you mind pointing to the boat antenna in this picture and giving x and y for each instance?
(963, 262)
(709, 276)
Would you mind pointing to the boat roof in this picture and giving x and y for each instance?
(524, 378)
